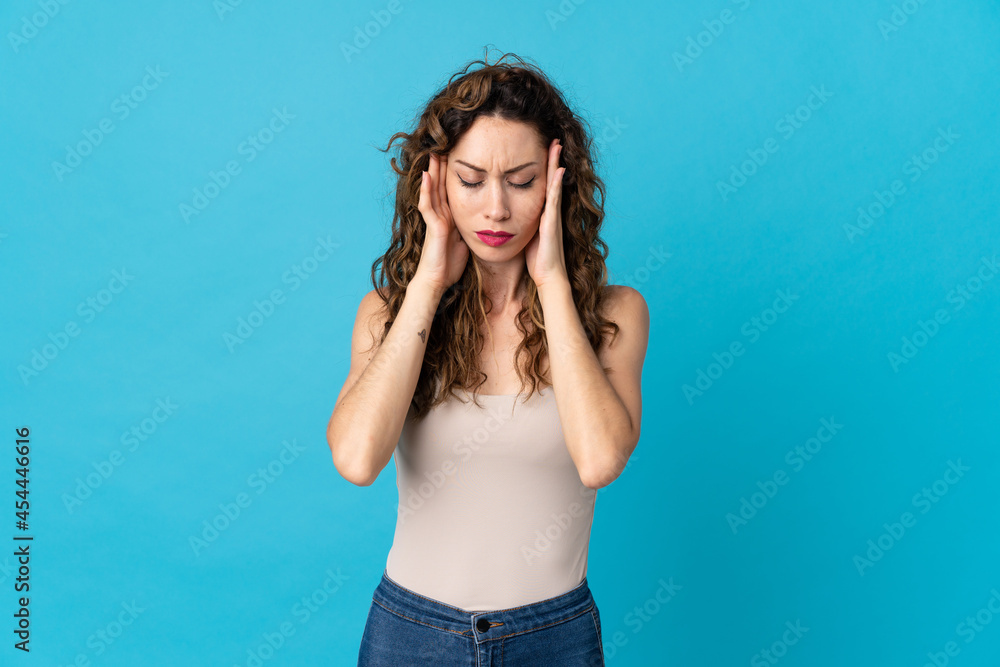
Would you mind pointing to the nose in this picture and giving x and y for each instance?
(496, 206)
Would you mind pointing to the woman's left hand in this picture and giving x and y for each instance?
(544, 254)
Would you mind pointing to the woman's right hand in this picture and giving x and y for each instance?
(445, 253)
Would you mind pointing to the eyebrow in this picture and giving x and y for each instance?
(509, 171)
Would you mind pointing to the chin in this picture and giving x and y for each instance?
(502, 253)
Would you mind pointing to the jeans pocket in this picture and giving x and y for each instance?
(391, 639)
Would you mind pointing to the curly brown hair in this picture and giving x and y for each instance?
(513, 92)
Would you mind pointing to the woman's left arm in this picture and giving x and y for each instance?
(600, 414)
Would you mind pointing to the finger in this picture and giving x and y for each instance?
(445, 205)
(424, 196)
(427, 194)
(555, 187)
(442, 184)
(553, 201)
(554, 150)
(432, 184)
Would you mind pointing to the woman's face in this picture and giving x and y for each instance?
(496, 182)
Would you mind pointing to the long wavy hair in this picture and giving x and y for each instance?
(511, 91)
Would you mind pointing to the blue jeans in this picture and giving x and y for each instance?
(405, 628)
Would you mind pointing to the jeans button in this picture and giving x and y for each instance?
(482, 625)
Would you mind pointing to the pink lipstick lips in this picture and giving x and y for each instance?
(492, 238)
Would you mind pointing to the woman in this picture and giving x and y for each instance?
(495, 232)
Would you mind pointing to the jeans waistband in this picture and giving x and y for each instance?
(491, 624)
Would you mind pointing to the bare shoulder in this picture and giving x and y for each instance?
(627, 308)
(372, 304)
(368, 325)
(625, 354)
(624, 305)
(372, 315)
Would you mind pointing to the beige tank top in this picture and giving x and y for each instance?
(492, 513)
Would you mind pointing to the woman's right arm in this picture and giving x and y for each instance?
(368, 417)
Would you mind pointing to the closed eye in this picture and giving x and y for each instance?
(476, 185)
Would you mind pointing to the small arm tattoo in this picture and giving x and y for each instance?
(423, 336)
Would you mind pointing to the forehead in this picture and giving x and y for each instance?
(499, 141)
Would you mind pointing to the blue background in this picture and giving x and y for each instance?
(669, 131)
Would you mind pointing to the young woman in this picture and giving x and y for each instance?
(494, 237)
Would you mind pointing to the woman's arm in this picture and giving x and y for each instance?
(600, 414)
(373, 403)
